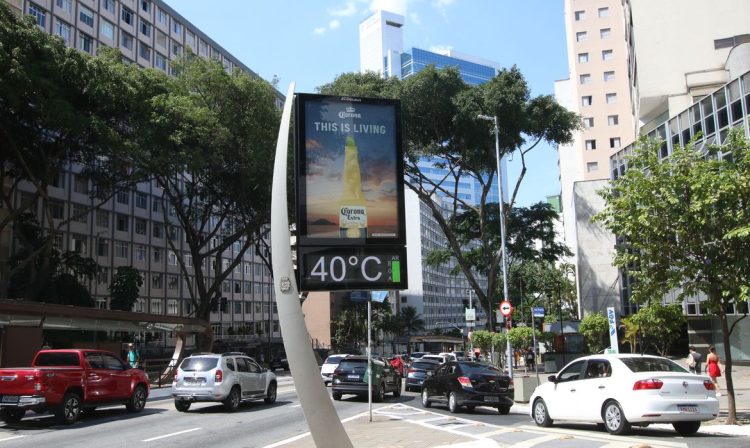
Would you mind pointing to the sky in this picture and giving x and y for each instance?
(310, 42)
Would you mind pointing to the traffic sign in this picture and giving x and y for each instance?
(506, 308)
(471, 315)
(538, 311)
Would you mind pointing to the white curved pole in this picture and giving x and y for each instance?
(324, 423)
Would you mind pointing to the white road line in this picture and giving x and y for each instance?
(170, 435)
(11, 438)
(589, 435)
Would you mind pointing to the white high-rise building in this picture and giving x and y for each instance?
(381, 41)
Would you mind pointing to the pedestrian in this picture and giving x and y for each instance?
(530, 358)
(694, 360)
(133, 356)
(714, 368)
(398, 364)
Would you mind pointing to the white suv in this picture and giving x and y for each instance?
(229, 378)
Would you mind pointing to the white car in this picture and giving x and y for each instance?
(441, 358)
(626, 390)
(329, 365)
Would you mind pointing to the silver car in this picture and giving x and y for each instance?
(229, 378)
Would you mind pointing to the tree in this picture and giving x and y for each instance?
(208, 143)
(521, 336)
(58, 107)
(411, 323)
(124, 288)
(659, 325)
(674, 218)
(440, 121)
(631, 333)
(595, 328)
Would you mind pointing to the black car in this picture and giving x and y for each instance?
(278, 362)
(418, 371)
(350, 378)
(469, 384)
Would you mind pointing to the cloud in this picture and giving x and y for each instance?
(333, 24)
(319, 30)
(348, 9)
(442, 3)
(397, 6)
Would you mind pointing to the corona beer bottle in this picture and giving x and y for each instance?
(353, 206)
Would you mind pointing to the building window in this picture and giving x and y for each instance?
(146, 5)
(586, 100)
(62, 29)
(190, 40)
(107, 30)
(140, 226)
(144, 51)
(237, 287)
(176, 49)
(140, 252)
(172, 282)
(605, 33)
(145, 28)
(86, 43)
(588, 122)
(613, 120)
(603, 12)
(580, 15)
(188, 260)
(57, 209)
(225, 286)
(80, 213)
(592, 166)
(590, 145)
(161, 16)
(157, 255)
(123, 197)
(39, 14)
(160, 62)
(122, 223)
(65, 5)
(102, 247)
(583, 58)
(126, 40)
(585, 78)
(86, 16)
(121, 249)
(614, 142)
(171, 258)
(108, 5)
(161, 39)
(156, 281)
(248, 287)
(155, 205)
(102, 218)
(80, 184)
(156, 230)
(581, 36)
(127, 16)
(202, 48)
(607, 55)
(176, 27)
(609, 76)
(174, 233)
(172, 307)
(102, 277)
(611, 98)
(141, 200)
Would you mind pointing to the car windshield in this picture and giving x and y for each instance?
(424, 365)
(648, 364)
(60, 359)
(198, 364)
(433, 357)
(469, 368)
(334, 359)
(352, 365)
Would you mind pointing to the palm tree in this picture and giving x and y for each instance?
(411, 323)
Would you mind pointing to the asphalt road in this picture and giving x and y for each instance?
(257, 425)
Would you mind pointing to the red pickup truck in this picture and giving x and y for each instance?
(67, 382)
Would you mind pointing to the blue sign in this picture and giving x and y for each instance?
(538, 311)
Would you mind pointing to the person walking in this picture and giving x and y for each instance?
(713, 368)
(694, 361)
(530, 358)
(133, 356)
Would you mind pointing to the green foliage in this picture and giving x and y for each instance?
(659, 325)
(632, 330)
(482, 339)
(521, 337)
(595, 328)
(124, 288)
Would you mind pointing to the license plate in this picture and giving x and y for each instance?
(10, 399)
(491, 399)
(353, 377)
(687, 408)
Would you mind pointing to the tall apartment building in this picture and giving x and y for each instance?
(132, 229)
(436, 294)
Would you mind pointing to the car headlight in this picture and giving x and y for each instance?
(336, 381)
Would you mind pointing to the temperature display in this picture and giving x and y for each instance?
(332, 269)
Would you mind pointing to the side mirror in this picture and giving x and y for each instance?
(552, 378)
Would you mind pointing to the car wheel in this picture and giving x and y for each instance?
(397, 392)
(12, 415)
(232, 402)
(182, 405)
(425, 399)
(686, 428)
(377, 396)
(453, 403)
(137, 400)
(271, 394)
(503, 410)
(69, 410)
(541, 415)
(614, 419)
(336, 396)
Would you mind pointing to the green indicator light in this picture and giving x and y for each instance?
(396, 271)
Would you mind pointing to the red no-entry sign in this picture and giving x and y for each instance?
(506, 308)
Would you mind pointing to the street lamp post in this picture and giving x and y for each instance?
(470, 325)
(493, 119)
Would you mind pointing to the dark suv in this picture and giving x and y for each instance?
(469, 384)
(350, 377)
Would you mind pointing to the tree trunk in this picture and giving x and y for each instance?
(205, 340)
(732, 414)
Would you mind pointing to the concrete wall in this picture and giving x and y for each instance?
(18, 345)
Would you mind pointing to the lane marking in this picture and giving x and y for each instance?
(583, 434)
(11, 438)
(170, 435)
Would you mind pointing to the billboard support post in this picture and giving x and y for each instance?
(324, 423)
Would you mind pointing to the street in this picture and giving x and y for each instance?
(260, 425)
